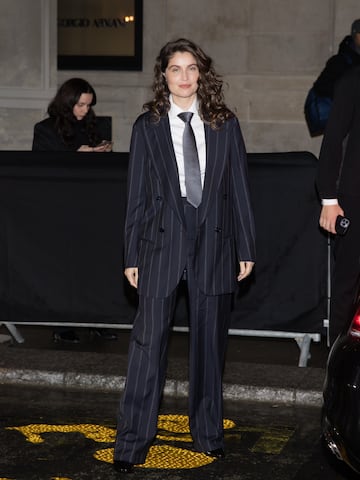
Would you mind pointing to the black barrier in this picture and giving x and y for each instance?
(61, 242)
(288, 291)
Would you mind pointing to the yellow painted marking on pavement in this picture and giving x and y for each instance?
(172, 428)
(177, 438)
(164, 457)
(60, 478)
(179, 424)
(272, 439)
(167, 456)
(98, 433)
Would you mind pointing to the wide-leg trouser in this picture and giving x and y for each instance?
(208, 319)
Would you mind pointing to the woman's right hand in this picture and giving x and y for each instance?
(132, 274)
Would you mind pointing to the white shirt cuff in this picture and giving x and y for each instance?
(329, 201)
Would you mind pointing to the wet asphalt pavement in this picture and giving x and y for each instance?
(55, 434)
(59, 402)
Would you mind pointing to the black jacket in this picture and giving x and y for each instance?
(46, 137)
(347, 57)
(339, 173)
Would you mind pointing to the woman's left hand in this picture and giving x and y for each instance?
(245, 270)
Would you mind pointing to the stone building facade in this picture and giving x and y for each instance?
(268, 51)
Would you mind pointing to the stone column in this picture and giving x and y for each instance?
(28, 68)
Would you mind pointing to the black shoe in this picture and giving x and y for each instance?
(123, 467)
(67, 336)
(103, 333)
(217, 453)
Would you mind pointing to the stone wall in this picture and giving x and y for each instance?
(268, 51)
(28, 68)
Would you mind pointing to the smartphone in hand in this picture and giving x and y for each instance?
(105, 142)
(342, 224)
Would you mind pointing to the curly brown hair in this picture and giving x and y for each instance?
(212, 108)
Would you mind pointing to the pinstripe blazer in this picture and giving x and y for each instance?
(155, 232)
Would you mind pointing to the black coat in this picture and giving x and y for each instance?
(47, 138)
(339, 172)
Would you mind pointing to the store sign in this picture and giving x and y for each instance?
(100, 35)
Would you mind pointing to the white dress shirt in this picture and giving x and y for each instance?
(177, 127)
(329, 201)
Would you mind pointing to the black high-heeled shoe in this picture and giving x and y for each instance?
(123, 467)
(217, 453)
(103, 333)
(66, 336)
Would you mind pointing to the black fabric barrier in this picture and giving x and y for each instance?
(61, 242)
(288, 291)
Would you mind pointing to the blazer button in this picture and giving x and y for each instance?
(218, 229)
(158, 198)
(161, 230)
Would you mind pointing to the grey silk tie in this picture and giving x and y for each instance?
(191, 162)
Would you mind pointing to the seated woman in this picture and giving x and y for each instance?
(72, 126)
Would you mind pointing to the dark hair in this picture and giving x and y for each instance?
(61, 110)
(212, 108)
(355, 27)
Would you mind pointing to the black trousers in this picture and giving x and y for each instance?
(139, 406)
(345, 278)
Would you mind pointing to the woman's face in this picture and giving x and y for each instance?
(182, 75)
(81, 108)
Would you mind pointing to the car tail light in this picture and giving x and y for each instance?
(355, 325)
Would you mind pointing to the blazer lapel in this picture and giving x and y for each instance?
(214, 168)
(166, 166)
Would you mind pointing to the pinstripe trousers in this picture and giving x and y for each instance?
(147, 361)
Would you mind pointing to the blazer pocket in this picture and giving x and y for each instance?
(222, 234)
(154, 243)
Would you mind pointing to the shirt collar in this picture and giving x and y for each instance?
(175, 109)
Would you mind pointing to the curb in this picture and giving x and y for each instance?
(173, 388)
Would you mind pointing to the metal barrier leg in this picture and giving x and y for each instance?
(14, 332)
(5, 338)
(304, 345)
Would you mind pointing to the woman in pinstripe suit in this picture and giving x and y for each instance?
(169, 237)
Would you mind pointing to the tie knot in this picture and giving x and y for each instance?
(186, 116)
